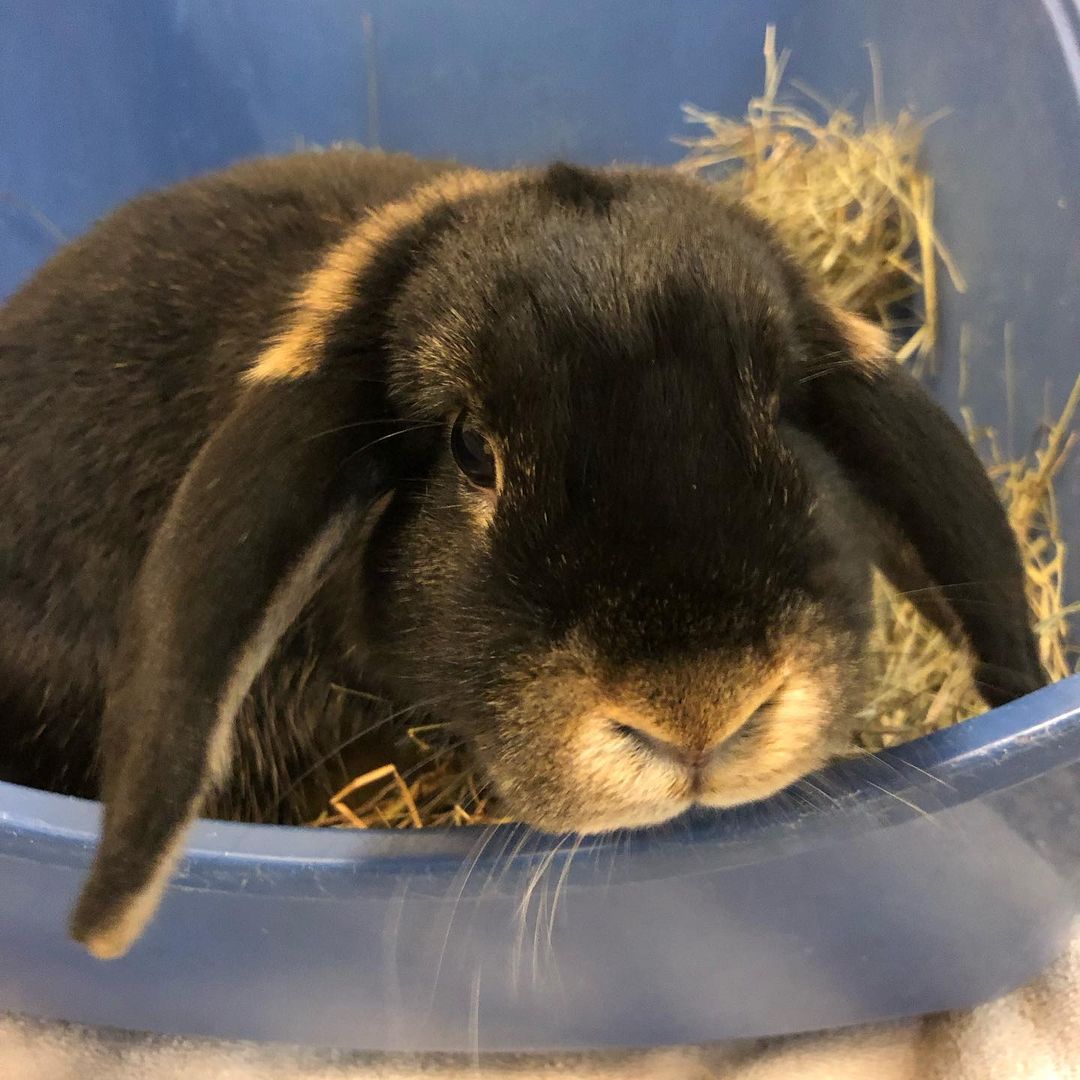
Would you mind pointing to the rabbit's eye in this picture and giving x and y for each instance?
(472, 452)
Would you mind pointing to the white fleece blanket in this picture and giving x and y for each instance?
(1032, 1034)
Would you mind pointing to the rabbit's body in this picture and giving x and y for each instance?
(575, 461)
(116, 361)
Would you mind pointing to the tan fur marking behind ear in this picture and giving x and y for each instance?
(116, 937)
(868, 342)
(328, 289)
(114, 940)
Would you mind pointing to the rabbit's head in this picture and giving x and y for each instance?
(596, 467)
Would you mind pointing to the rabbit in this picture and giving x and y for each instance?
(577, 461)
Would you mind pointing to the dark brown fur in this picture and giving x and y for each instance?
(666, 602)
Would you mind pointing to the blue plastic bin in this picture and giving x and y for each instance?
(933, 877)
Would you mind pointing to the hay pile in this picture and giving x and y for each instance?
(850, 200)
(441, 789)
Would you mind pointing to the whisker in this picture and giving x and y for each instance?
(362, 734)
(559, 885)
(910, 805)
(966, 602)
(403, 425)
(470, 866)
(828, 369)
(830, 800)
(907, 765)
(523, 911)
(375, 442)
(44, 222)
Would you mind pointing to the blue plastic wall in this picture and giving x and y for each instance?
(100, 99)
(774, 918)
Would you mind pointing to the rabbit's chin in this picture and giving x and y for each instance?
(634, 817)
(722, 794)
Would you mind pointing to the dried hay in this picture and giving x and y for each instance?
(848, 199)
(442, 790)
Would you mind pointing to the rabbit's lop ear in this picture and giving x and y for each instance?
(309, 452)
(912, 465)
(241, 549)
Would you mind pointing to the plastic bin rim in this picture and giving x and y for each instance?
(975, 758)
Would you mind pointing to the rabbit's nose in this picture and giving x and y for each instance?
(663, 745)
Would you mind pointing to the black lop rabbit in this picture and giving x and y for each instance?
(576, 461)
